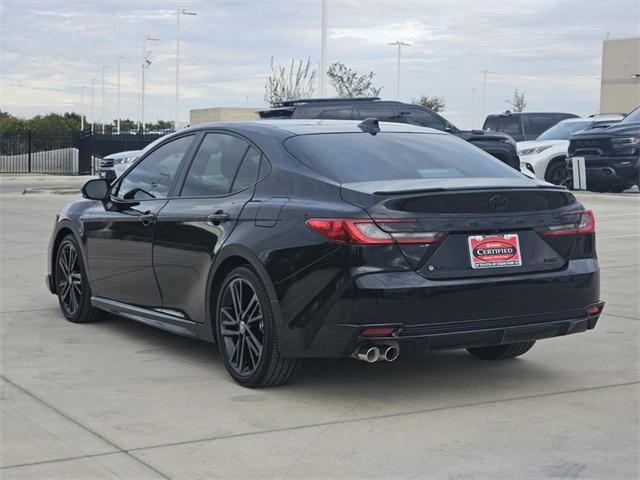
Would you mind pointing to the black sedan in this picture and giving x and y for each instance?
(303, 238)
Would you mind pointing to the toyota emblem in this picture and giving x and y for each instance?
(497, 203)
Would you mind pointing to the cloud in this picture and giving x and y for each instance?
(551, 49)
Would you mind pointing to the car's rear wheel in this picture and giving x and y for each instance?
(501, 352)
(72, 286)
(246, 332)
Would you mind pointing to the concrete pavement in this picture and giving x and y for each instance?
(116, 399)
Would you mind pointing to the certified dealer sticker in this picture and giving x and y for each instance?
(491, 251)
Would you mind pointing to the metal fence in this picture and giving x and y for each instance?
(65, 153)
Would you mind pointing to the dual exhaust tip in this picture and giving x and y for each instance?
(387, 352)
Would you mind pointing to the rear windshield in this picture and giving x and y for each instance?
(362, 157)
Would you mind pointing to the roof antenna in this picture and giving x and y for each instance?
(369, 125)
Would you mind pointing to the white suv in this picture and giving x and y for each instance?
(546, 155)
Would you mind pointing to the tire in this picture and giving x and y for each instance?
(246, 333)
(501, 352)
(72, 285)
(557, 173)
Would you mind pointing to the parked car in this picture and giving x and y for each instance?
(497, 144)
(546, 156)
(524, 126)
(299, 238)
(114, 165)
(611, 155)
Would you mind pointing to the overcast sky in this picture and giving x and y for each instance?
(549, 48)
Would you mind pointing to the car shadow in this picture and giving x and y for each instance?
(444, 372)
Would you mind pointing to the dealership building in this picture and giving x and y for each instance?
(620, 80)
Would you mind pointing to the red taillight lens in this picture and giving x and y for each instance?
(580, 222)
(377, 331)
(367, 232)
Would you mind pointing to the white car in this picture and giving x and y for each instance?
(114, 165)
(546, 155)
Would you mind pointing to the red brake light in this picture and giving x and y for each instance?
(367, 232)
(584, 222)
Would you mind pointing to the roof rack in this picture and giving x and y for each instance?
(290, 103)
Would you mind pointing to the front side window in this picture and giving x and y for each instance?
(536, 124)
(382, 114)
(215, 165)
(336, 114)
(152, 177)
(422, 118)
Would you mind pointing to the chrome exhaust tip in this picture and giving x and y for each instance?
(367, 354)
(390, 353)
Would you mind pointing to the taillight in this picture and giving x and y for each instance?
(367, 232)
(579, 222)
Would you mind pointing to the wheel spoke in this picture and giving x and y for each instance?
(241, 360)
(253, 343)
(251, 307)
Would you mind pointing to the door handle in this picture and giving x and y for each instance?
(147, 219)
(219, 217)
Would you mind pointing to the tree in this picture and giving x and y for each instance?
(434, 103)
(296, 81)
(349, 83)
(518, 102)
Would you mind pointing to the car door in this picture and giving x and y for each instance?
(120, 232)
(192, 227)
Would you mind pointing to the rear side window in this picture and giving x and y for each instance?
(215, 165)
(508, 124)
(535, 124)
(361, 157)
(337, 114)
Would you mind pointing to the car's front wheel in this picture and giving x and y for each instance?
(72, 285)
(246, 332)
(557, 173)
(502, 352)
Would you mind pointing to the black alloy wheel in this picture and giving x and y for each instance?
(72, 286)
(246, 332)
(558, 175)
(242, 326)
(69, 277)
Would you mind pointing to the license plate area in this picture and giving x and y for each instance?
(494, 251)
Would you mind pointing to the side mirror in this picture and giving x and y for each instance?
(449, 128)
(96, 189)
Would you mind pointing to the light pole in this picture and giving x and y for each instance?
(82, 109)
(120, 57)
(484, 92)
(104, 68)
(400, 45)
(473, 105)
(145, 64)
(178, 13)
(323, 51)
(93, 88)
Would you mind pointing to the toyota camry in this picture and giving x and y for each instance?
(285, 239)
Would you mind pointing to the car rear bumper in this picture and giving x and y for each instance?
(449, 313)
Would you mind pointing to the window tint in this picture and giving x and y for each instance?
(337, 114)
(422, 118)
(214, 166)
(152, 177)
(492, 124)
(248, 172)
(360, 157)
(534, 125)
(383, 114)
(510, 125)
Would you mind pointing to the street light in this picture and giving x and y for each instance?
(82, 109)
(484, 93)
(473, 105)
(400, 45)
(323, 51)
(93, 87)
(120, 57)
(178, 13)
(104, 67)
(145, 64)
